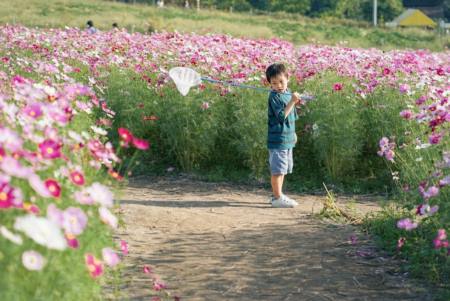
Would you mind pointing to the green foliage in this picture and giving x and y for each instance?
(292, 6)
(422, 260)
(387, 10)
(446, 7)
(338, 133)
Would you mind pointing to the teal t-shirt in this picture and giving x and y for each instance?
(281, 129)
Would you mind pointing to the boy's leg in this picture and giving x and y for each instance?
(277, 185)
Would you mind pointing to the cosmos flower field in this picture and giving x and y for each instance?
(76, 106)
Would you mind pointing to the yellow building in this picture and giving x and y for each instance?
(412, 17)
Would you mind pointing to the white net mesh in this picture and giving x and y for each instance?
(185, 79)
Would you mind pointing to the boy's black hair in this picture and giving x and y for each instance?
(90, 23)
(115, 25)
(275, 70)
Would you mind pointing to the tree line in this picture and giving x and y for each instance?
(348, 9)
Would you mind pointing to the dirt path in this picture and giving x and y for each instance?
(219, 242)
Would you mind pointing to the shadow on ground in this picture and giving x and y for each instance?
(307, 261)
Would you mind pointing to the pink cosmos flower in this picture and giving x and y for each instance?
(55, 215)
(50, 149)
(147, 269)
(140, 143)
(404, 88)
(83, 197)
(205, 106)
(406, 224)
(53, 187)
(33, 110)
(77, 178)
(107, 217)
(445, 181)
(94, 265)
(10, 140)
(33, 261)
(14, 168)
(75, 220)
(407, 114)
(100, 194)
(110, 257)
(124, 247)
(435, 138)
(421, 100)
(425, 209)
(159, 285)
(442, 235)
(31, 208)
(431, 192)
(386, 149)
(441, 240)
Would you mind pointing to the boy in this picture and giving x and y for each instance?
(281, 137)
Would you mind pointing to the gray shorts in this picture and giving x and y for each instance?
(280, 161)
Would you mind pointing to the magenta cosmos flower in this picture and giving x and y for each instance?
(53, 187)
(9, 196)
(94, 265)
(125, 135)
(124, 247)
(441, 240)
(140, 143)
(77, 178)
(50, 149)
(338, 86)
(72, 241)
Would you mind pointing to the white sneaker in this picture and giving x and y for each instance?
(290, 200)
(283, 202)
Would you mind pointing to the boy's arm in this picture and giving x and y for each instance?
(291, 105)
(280, 111)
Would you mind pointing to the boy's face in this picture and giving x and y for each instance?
(279, 83)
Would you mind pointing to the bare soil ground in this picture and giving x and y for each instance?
(211, 241)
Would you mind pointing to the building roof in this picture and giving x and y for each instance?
(414, 17)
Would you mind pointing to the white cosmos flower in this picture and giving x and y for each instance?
(15, 238)
(99, 130)
(75, 136)
(33, 261)
(100, 194)
(107, 217)
(42, 231)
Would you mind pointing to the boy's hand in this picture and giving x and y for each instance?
(296, 98)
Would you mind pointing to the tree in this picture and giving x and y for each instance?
(387, 9)
(292, 6)
(323, 7)
(446, 5)
(349, 9)
(238, 5)
(260, 4)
